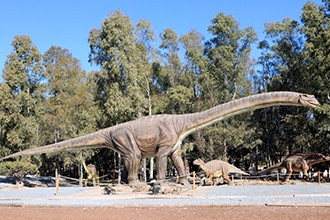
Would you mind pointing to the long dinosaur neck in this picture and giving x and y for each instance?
(86, 169)
(204, 167)
(203, 119)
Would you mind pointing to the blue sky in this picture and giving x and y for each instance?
(66, 23)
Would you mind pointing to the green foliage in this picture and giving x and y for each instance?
(124, 77)
(228, 54)
(296, 57)
(21, 96)
(71, 111)
(17, 169)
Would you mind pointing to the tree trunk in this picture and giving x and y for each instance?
(119, 168)
(151, 173)
(144, 165)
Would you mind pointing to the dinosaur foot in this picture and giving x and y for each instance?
(166, 187)
(109, 190)
(184, 181)
(138, 186)
(134, 183)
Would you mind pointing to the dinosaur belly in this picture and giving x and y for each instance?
(217, 173)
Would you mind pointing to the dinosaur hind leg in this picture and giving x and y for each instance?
(227, 178)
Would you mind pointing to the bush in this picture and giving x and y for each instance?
(17, 169)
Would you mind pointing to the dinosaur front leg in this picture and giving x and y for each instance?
(211, 179)
(305, 172)
(288, 174)
(179, 165)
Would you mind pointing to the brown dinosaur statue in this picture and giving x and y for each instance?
(161, 135)
(298, 163)
(216, 168)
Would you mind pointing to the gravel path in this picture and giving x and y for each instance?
(307, 194)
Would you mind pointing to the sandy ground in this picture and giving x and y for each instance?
(48, 208)
(189, 212)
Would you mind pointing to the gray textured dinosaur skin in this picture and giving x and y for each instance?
(217, 168)
(298, 163)
(161, 135)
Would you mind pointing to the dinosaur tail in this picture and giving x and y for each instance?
(269, 168)
(237, 170)
(89, 141)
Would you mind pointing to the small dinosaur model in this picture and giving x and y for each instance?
(91, 174)
(216, 168)
(161, 135)
(298, 163)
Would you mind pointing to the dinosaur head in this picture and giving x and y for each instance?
(308, 100)
(198, 162)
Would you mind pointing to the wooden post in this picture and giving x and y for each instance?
(319, 177)
(278, 177)
(194, 182)
(57, 183)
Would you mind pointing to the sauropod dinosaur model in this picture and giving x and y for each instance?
(161, 135)
(298, 163)
(216, 168)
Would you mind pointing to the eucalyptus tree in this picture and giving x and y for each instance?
(193, 67)
(315, 27)
(113, 48)
(228, 64)
(288, 64)
(195, 61)
(282, 63)
(71, 111)
(175, 83)
(228, 52)
(21, 101)
(146, 52)
(21, 96)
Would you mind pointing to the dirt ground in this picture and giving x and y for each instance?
(189, 212)
(163, 212)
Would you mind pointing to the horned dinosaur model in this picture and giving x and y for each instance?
(161, 135)
(298, 163)
(216, 168)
